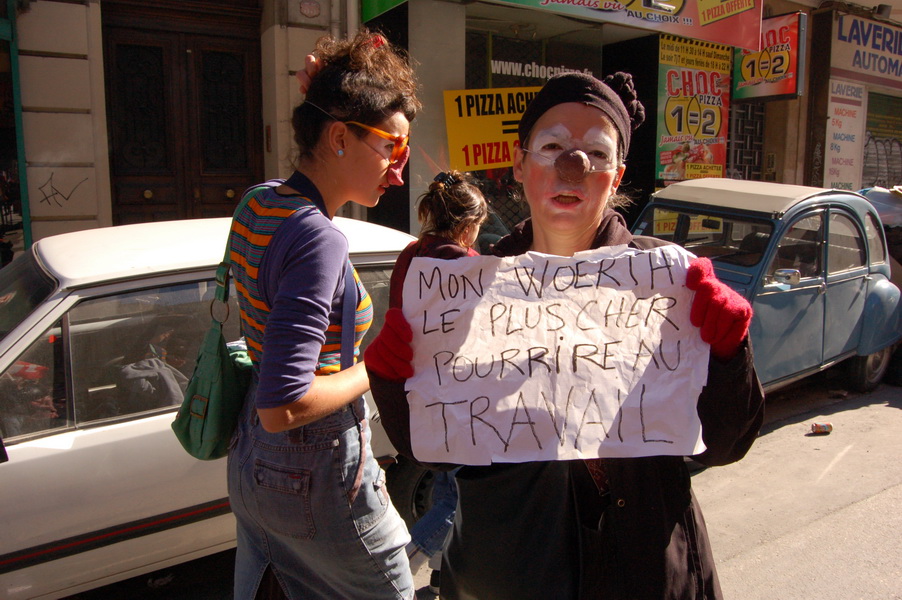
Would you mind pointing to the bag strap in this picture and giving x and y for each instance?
(348, 319)
(222, 272)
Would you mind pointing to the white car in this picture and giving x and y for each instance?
(99, 330)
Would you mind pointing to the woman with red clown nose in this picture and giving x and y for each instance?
(308, 496)
(610, 528)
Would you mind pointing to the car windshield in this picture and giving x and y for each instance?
(735, 240)
(23, 285)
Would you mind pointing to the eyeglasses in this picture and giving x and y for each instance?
(400, 141)
(598, 163)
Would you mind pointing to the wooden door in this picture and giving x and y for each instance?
(183, 113)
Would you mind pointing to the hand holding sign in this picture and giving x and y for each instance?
(722, 315)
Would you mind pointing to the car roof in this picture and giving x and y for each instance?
(888, 203)
(756, 196)
(91, 256)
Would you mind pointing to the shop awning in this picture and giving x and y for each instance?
(731, 22)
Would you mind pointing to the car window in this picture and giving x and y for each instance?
(33, 389)
(129, 354)
(735, 240)
(846, 249)
(875, 239)
(134, 352)
(800, 247)
(23, 285)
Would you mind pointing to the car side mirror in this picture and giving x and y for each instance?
(787, 276)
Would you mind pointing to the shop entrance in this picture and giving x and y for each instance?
(183, 112)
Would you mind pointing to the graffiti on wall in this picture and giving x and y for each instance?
(54, 195)
(882, 161)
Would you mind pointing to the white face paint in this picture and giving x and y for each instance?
(597, 143)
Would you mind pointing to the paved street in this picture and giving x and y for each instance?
(801, 517)
(806, 516)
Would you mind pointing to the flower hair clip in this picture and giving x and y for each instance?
(446, 178)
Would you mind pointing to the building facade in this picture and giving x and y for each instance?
(123, 111)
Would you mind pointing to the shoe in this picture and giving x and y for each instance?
(434, 580)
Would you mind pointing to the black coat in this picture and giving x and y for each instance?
(541, 530)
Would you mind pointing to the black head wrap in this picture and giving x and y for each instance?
(615, 97)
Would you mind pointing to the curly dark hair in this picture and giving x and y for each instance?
(452, 203)
(364, 79)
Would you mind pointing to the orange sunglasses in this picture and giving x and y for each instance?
(400, 141)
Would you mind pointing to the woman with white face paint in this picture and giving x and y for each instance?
(625, 528)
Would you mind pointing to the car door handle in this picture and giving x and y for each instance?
(822, 288)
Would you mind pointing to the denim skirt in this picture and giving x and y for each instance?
(312, 503)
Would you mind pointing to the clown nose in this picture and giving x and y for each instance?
(572, 166)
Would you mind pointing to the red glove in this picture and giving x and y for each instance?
(721, 313)
(389, 355)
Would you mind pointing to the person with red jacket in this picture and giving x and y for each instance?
(450, 213)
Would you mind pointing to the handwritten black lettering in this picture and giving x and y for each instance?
(593, 402)
(552, 313)
(550, 408)
(537, 355)
(633, 313)
(582, 312)
(528, 421)
(652, 268)
(562, 282)
(650, 352)
(581, 275)
(445, 418)
(477, 416)
(450, 285)
(425, 319)
(494, 315)
(632, 274)
(592, 350)
(664, 360)
(462, 369)
(668, 303)
(530, 285)
(447, 326)
(435, 274)
(645, 438)
(603, 272)
(507, 357)
(438, 371)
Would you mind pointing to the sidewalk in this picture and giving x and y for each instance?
(805, 516)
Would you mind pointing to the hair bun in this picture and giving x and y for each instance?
(622, 83)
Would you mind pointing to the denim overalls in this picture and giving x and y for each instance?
(312, 501)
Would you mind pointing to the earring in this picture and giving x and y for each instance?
(341, 153)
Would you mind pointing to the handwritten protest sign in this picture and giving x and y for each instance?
(540, 357)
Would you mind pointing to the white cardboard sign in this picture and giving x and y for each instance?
(541, 357)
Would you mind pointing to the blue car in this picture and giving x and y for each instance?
(813, 262)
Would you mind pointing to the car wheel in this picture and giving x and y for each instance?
(865, 372)
(410, 488)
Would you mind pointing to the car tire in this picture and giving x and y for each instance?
(865, 372)
(410, 489)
